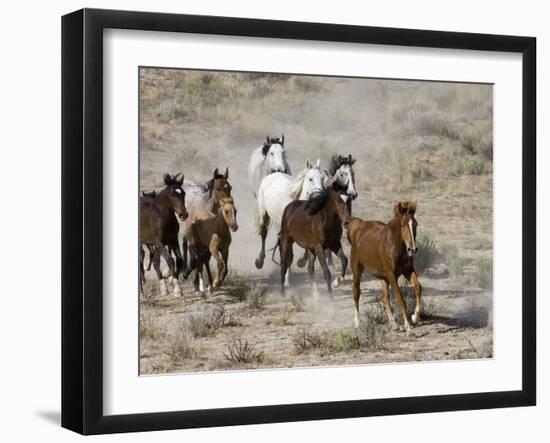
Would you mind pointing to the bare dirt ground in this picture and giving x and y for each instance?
(415, 142)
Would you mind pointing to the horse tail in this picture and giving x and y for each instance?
(274, 249)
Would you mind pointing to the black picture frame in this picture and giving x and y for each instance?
(82, 218)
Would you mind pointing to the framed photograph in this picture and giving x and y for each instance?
(268, 221)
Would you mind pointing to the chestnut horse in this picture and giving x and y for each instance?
(386, 251)
(159, 228)
(315, 225)
(209, 236)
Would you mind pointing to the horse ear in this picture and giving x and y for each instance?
(226, 175)
(167, 179)
(283, 139)
(216, 173)
(412, 207)
(267, 139)
(318, 164)
(180, 181)
(398, 208)
(308, 165)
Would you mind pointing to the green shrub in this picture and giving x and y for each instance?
(468, 165)
(427, 254)
(345, 340)
(483, 275)
(455, 263)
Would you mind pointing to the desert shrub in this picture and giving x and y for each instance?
(148, 328)
(468, 165)
(421, 171)
(478, 141)
(455, 262)
(179, 343)
(237, 286)
(304, 341)
(206, 323)
(436, 124)
(483, 349)
(255, 297)
(373, 328)
(298, 303)
(483, 274)
(427, 254)
(239, 350)
(345, 340)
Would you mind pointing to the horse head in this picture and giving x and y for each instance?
(404, 212)
(341, 170)
(176, 195)
(341, 205)
(310, 181)
(274, 154)
(229, 212)
(218, 186)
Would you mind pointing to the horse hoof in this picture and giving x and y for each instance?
(259, 263)
(415, 319)
(301, 262)
(337, 282)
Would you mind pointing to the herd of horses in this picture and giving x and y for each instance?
(312, 209)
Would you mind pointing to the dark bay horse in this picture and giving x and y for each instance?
(209, 236)
(203, 199)
(159, 228)
(315, 225)
(340, 173)
(386, 251)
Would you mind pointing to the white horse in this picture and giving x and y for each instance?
(276, 191)
(266, 159)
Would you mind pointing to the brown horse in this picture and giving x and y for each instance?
(315, 225)
(159, 228)
(386, 251)
(209, 236)
(203, 199)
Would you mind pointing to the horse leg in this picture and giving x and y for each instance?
(151, 255)
(175, 247)
(208, 273)
(326, 271)
(413, 279)
(328, 254)
(302, 261)
(387, 306)
(357, 272)
(400, 302)
(214, 249)
(225, 258)
(172, 276)
(285, 246)
(311, 273)
(184, 248)
(156, 265)
(141, 268)
(339, 251)
(199, 281)
(263, 221)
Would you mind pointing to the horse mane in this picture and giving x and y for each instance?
(317, 201)
(338, 160)
(296, 185)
